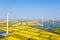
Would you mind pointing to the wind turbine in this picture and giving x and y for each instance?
(7, 33)
(7, 23)
(42, 22)
(53, 21)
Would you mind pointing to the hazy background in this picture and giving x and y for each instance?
(30, 9)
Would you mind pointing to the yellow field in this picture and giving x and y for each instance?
(23, 31)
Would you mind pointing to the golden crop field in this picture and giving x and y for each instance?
(25, 31)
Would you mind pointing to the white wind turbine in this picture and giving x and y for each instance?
(7, 23)
(42, 22)
(53, 21)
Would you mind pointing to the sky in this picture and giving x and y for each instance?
(30, 9)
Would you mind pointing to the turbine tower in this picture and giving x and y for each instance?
(53, 21)
(7, 23)
(42, 20)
